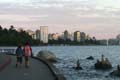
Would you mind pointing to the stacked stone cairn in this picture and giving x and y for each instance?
(78, 67)
(103, 64)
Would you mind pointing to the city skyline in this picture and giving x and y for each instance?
(96, 18)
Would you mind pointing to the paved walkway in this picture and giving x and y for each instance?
(37, 71)
(4, 61)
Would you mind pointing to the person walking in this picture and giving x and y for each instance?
(19, 55)
(27, 54)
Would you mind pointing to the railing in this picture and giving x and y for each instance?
(7, 51)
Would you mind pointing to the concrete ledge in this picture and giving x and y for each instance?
(54, 70)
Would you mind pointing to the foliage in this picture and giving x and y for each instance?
(11, 37)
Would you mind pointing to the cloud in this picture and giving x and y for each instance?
(109, 3)
(84, 14)
(13, 18)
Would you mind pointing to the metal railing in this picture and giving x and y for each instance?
(7, 51)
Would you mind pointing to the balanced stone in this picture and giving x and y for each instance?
(78, 67)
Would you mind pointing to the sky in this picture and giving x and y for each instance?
(99, 18)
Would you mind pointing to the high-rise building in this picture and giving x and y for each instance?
(118, 36)
(37, 34)
(50, 36)
(31, 33)
(113, 42)
(83, 36)
(72, 37)
(53, 36)
(66, 35)
(44, 34)
(103, 42)
(88, 37)
(77, 36)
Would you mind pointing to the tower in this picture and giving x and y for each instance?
(44, 34)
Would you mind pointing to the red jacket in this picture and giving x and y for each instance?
(27, 50)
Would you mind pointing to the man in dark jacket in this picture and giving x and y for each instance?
(19, 55)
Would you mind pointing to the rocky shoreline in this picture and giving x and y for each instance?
(103, 64)
(49, 59)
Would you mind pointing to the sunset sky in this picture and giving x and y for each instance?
(100, 18)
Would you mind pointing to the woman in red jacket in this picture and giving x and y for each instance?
(27, 54)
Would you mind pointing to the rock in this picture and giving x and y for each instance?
(116, 72)
(90, 58)
(103, 64)
(47, 55)
(106, 76)
(78, 67)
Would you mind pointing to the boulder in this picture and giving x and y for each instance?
(90, 58)
(103, 64)
(47, 55)
(116, 72)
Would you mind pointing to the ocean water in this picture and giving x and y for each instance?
(68, 55)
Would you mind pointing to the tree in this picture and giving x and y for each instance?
(12, 38)
(11, 27)
(0, 28)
